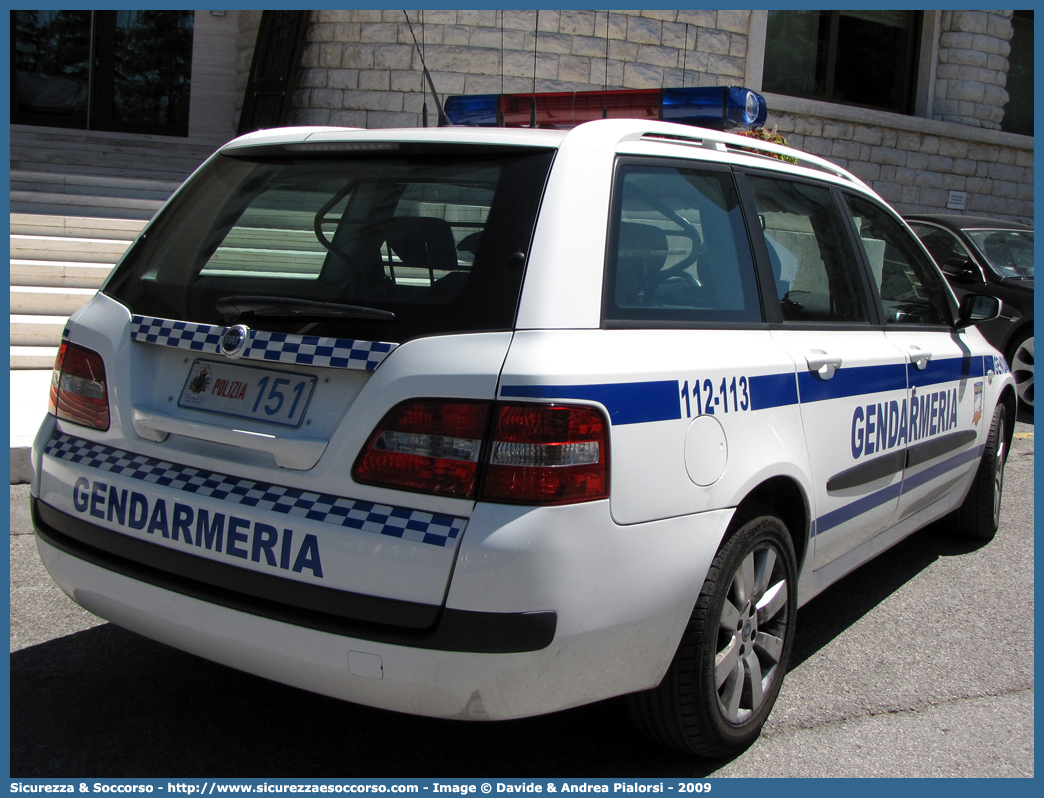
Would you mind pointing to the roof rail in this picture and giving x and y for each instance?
(730, 142)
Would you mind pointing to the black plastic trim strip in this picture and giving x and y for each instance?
(898, 460)
(870, 471)
(323, 609)
(937, 447)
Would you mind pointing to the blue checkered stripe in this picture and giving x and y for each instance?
(309, 350)
(398, 522)
(312, 350)
(179, 334)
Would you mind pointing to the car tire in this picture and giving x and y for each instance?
(978, 517)
(1020, 360)
(728, 669)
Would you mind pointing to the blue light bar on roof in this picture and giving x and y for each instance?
(717, 107)
(731, 106)
(474, 110)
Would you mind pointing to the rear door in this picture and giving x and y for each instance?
(851, 380)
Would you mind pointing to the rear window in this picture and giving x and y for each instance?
(394, 244)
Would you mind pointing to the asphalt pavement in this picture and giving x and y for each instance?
(919, 664)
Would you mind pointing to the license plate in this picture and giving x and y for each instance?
(272, 397)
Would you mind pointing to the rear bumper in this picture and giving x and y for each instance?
(610, 606)
(322, 609)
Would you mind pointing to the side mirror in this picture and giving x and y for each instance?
(961, 268)
(976, 308)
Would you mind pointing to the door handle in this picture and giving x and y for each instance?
(822, 364)
(919, 357)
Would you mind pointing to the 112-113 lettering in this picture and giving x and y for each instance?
(706, 397)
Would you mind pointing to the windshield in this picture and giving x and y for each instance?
(1010, 252)
(377, 246)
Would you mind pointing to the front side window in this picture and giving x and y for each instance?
(911, 290)
(865, 58)
(815, 271)
(678, 248)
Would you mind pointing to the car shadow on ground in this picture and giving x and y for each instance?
(842, 604)
(108, 703)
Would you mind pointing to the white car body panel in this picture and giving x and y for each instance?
(564, 293)
(699, 417)
(652, 438)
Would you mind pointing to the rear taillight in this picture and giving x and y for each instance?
(546, 454)
(530, 454)
(426, 445)
(78, 390)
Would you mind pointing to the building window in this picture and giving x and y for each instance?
(864, 58)
(102, 70)
(1018, 113)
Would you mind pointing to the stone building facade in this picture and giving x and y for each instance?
(363, 69)
(973, 66)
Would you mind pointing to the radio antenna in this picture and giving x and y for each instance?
(685, 56)
(605, 80)
(532, 100)
(443, 119)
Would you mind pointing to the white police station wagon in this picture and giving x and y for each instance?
(482, 423)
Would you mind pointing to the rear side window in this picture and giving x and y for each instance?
(424, 240)
(814, 269)
(678, 249)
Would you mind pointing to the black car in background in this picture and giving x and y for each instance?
(980, 255)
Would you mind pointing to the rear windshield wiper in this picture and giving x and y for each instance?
(232, 307)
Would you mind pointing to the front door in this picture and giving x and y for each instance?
(946, 376)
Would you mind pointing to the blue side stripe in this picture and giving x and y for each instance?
(937, 470)
(863, 505)
(773, 390)
(945, 370)
(852, 382)
(659, 400)
(627, 403)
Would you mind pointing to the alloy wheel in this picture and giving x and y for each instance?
(1022, 370)
(751, 633)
